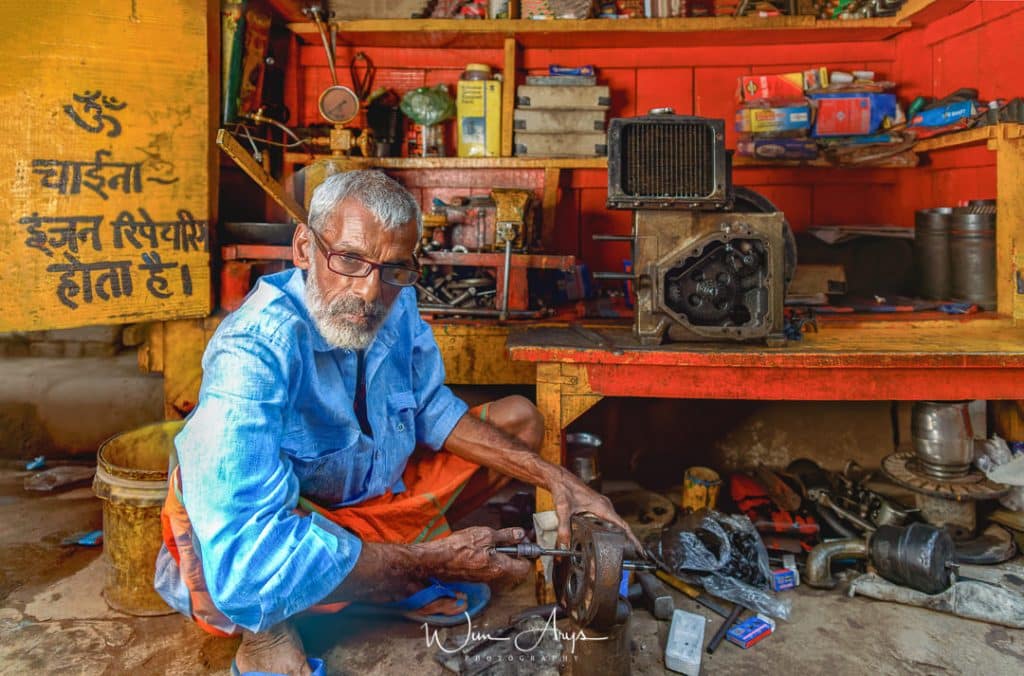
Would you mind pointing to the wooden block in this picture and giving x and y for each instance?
(559, 121)
(105, 220)
(563, 98)
(560, 145)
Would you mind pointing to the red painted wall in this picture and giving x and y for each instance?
(977, 46)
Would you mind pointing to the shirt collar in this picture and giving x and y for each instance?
(295, 287)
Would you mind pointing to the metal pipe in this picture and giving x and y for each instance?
(482, 312)
(819, 561)
(613, 238)
(314, 11)
(614, 275)
(505, 275)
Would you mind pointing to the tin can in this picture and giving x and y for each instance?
(700, 489)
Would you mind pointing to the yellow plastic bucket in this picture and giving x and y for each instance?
(131, 479)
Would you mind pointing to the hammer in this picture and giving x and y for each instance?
(655, 595)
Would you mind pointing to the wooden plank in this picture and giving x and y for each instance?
(474, 354)
(508, 96)
(549, 203)
(570, 33)
(349, 163)
(107, 144)
(1009, 226)
(961, 138)
(968, 345)
(909, 383)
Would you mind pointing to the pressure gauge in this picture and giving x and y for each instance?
(338, 104)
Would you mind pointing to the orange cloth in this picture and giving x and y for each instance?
(433, 481)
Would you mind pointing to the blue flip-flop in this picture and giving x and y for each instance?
(478, 595)
(316, 665)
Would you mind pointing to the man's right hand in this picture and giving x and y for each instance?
(469, 555)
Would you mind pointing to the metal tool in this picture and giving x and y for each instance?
(716, 640)
(362, 85)
(531, 550)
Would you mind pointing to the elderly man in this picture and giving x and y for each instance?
(296, 485)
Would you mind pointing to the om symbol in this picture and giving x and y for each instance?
(94, 118)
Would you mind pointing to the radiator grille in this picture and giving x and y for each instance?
(668, 160)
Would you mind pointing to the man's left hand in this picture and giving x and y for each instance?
(572, 496)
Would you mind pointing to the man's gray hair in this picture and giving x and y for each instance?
(382, 196)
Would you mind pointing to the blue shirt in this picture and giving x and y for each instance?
(275, 420)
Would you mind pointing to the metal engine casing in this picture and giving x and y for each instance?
(704, 275)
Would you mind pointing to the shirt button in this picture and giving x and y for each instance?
(400, 427)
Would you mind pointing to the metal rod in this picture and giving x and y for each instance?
(614, 275)
(726, 623)
(505, 275)
(482, 312)
(315, 12)
(613, 238)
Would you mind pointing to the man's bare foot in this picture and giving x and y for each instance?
(277, 650)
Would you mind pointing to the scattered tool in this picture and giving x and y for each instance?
(531, 550)
(694, 593)
(654, 595)
(719, 635)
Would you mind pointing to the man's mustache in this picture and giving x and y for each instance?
(352, 305)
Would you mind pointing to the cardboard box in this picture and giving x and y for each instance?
(851, 113)
(783, 579)
(782, 86)
(345, 10)
(559, 121)
(478, 106)
(796, 117)
(563, 97)
(777, 148)
(560, 145)
(749, 631)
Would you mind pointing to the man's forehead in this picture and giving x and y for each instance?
(351, 221)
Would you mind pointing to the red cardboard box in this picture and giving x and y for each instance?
(782, 87)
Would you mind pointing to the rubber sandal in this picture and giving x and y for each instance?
(478, 595)
(315, 664)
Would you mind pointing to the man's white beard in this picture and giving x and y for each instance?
(330, 317)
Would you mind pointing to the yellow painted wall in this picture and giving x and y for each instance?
(105, 171)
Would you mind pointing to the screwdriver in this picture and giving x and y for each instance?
(531, 550)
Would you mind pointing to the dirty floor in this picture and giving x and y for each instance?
(53, 620)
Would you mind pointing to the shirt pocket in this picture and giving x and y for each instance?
(402, 414)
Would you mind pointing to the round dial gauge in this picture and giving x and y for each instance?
(338, 104)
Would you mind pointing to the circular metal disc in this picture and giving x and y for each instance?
(338, 104)
(902, 467)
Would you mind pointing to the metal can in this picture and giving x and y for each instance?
(931, 253)
(972, 249)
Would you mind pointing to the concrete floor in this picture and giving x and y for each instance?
(53, 620)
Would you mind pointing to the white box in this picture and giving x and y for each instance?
(685, 643)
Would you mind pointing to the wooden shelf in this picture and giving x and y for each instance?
(574, 33)
(971, 137)
(452, 162)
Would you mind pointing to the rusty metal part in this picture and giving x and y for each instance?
(819, 561)
(645, 512)
(595, 337)
(257, 173)
(589, 578)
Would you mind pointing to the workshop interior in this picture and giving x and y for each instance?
(759, 264)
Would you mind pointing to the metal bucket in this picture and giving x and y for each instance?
(972, 249)
(931, 253)
(131, 479)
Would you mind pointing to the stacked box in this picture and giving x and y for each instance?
(561, 115)
(775, 118)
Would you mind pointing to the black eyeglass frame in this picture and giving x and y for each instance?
(371, 265)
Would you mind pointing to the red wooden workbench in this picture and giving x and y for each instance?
(979, 359)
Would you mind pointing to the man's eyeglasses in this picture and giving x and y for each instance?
(354, 265)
